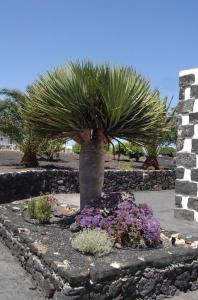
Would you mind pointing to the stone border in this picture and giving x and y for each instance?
(186, 186)
(24, 184)
(148, 275)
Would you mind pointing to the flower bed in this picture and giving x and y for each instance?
(65, 274)
(129, 225)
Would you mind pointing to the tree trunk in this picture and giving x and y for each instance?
(91, 171)
(29, 160)
(151, 162)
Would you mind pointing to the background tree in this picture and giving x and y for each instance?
(166, 137)
(130, 149)
(14, 125)
(50, 148)
(94, 104)
(76, 148)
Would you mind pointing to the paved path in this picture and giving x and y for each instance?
(15, 282)
(187, 296)
(163, 204)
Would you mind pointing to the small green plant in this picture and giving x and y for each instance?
(92, 242)
(40, 209)
(32, 208)
(76, 148)
(168, 151)
(127, 166)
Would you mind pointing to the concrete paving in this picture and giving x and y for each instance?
(187, 296)
(163, 204)
(15, 282)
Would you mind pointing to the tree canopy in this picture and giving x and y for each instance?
(82, 100)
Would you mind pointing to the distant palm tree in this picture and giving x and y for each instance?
(163, 137)
(94, 104)
(14, 125)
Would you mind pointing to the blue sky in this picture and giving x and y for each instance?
(157, 37)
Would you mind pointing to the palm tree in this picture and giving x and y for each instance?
(163, 137)
(13, 124)
(94, 105)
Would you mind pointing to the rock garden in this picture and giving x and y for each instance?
(115, 251)
(105, 246)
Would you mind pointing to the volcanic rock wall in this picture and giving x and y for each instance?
(186, 186)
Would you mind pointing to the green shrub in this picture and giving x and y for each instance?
(76, 148)
(51, 148)
(32, 208)
(134, 151)
(127, 166)
(92, 242)
(169, 151)
(129, 149)
(40, 209)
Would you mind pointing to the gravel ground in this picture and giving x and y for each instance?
(187, 296)
(10, 161)
(15, 282)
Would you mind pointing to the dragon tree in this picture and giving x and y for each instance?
(94, 105)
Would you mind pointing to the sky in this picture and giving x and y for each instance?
(156, 37)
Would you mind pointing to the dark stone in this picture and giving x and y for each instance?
(194, 175)
(182, 281)
(194, 286)
(146, 286)
(178, 201)
(180, 144)
(193, 118)
(74, 227)
(180, 173)
(115, 289)
(185, 106)
(194, 91)
(181, 93)
(103, 272)
(179, 120)
(74, 291)
(60, 296)
(194, 275)
(74, 277)
(187, 160)
(181, 213)
(195, 146)
(193, 203)
(186, 80)
(168, 289)
(186, 131)
(185, 188)
(97, 296)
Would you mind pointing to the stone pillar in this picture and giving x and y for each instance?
(186, 186)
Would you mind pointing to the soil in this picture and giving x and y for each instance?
(10, 162)
(57, 240)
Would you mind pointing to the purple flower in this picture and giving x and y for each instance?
(151, 228)
(117, 214)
